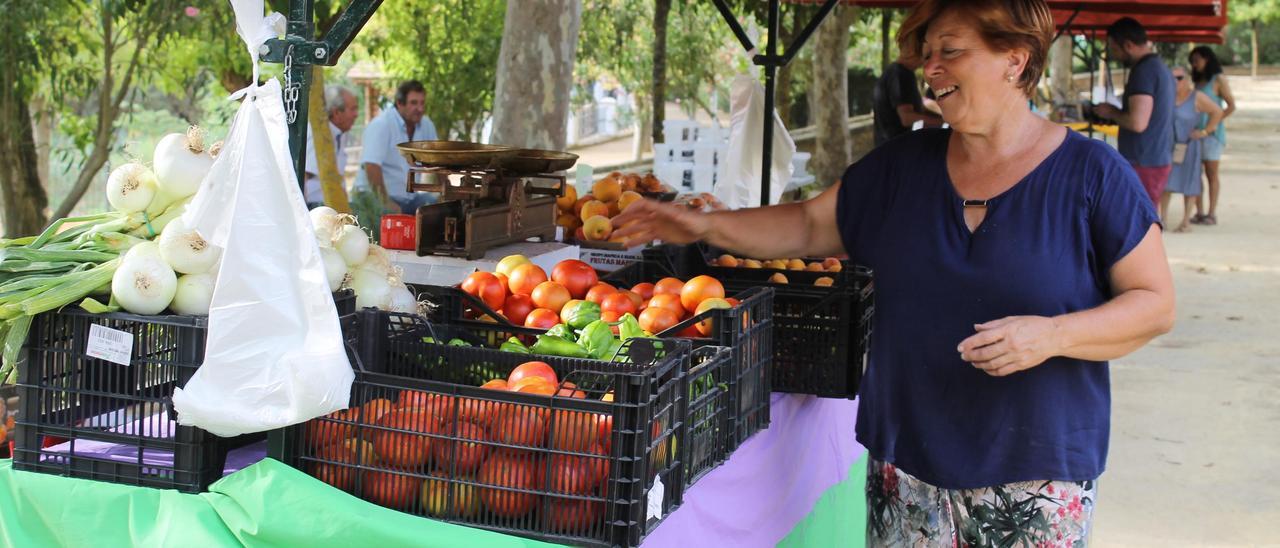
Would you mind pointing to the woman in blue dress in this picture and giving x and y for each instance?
(1191, 136)
(1206, 71)
(1013, 259)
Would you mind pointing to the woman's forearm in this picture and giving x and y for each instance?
(1116, 328)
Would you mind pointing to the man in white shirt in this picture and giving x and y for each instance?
(340, 104)
(386, 170)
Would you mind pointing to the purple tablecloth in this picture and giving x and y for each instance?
(771, 482)
(155, 426)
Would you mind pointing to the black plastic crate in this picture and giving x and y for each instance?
(72, 404)
(820, 333)
(747, 329)
(565, 469)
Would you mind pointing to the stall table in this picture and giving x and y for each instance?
(797, 484)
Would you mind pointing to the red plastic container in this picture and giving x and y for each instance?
(399, 231)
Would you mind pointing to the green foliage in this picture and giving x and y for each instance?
(616, 43)
(1262, 11)
(451, 46)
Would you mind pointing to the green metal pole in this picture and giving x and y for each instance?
(298, 82)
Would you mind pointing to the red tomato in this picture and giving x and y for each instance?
(551, 296)
(657, 319)
(644, 290)
(668, 286)
(699, 289)
(669, 302)
(533, 369)
(391, 490)
(542, 318)
(517, 308)
(635, 298)
(525, 278)
(512, 471)
(598, 292)
(503, 278)
(576, 276)
(614, 306)
(486, 287)
(691, 332)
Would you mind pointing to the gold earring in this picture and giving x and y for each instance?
(1008, 78)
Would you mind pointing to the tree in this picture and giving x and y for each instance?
(1255, 12)
(23, 52)
(830, 93)
(535, 73)
(451, 46)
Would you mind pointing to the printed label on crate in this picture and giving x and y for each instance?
(109, 344)
(656, 495)
(608, 260)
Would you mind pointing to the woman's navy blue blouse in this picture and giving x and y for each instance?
(1045, 248)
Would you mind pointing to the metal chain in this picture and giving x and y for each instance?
(291, 89)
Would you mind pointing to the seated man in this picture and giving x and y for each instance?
(386, 170)
(340, 104)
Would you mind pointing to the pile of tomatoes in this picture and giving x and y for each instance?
(495, 456)
(527, 296)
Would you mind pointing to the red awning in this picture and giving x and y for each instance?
(1165, 20)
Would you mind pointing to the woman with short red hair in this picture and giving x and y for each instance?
(1012, 259)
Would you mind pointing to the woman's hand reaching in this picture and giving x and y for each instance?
(647, 220)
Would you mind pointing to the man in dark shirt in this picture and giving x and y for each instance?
(1146, 121)
(897, 102)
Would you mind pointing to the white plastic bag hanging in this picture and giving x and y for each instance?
(274, 354)
(741, 185)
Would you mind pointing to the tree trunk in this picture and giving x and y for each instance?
(1060, 79)
(331, 182)
(1253, 38)
(661, 14)
(24, 197)
(783, 96)
(886, 44)
(43, 117)
(535, 73)
(832, 149)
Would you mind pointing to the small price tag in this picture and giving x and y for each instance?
(656, 494)
(109, 344)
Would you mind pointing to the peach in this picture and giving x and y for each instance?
(607, 189)
(629, 197)
(592, 209)
(778, 278)
(597, 228)
(570, 197)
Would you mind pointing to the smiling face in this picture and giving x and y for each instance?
(974, 84)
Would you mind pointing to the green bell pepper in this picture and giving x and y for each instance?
(581, 313)
(556, 346)
(514, 345)
(596, 337)
(562, 331)
(458, 342)
(629, 327)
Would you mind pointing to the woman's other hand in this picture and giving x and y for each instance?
(647, 220)
(1011, 344)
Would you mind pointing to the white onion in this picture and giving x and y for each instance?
(378, 259)
(194, 294)
(185, 250)
(131, 187)
(144, 283)
(402, 300)
(372, 288)
(181, 162)
(335, 269)
(353, 244)
(326, 221)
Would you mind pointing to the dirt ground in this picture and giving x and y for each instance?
(1195, 444)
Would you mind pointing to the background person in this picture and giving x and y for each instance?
(385, 169)
(896, 102)
(341, 106)
(1189, 138)
(1146, 122)
(1206, 71)
(1012, 258)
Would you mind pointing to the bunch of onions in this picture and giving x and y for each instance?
(352, 261)
(144, 283)
(181, 162)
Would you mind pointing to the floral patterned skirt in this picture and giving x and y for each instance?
(904, 511)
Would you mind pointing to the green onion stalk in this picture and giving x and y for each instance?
(65, 265)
